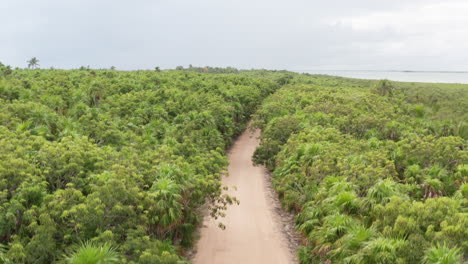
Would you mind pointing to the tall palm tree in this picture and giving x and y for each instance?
(33, 63)
(91, 253)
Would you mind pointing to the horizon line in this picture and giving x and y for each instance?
(406, 71)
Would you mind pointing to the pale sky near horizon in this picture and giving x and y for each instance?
(292, 35)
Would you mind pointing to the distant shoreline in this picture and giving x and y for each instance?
(404, 71)
(460, 77)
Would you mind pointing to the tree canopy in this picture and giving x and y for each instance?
(113, 166)
(376, 172)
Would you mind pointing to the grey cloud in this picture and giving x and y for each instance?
(243, 33)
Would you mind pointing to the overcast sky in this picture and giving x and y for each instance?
(292, 34)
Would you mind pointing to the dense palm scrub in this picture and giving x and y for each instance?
(104, 166)
(375, 171)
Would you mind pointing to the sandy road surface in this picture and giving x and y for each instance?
(253, 229)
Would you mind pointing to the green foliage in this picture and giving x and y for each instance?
(115, 158)
(90, 253)
(373, 171)
(5, 70)
(441, 254)
(33, 63)
(208, 69)
(384, 88)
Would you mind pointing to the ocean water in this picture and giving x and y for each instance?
(402, 76)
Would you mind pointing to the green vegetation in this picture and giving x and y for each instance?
(208, 69)
(89, 253)
(376, 171)
(102, 166)
(33, 63)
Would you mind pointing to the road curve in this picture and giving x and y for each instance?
(253, 231)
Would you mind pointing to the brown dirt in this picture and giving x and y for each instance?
(257, 231)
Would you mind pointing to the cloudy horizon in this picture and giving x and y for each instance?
(297, 35)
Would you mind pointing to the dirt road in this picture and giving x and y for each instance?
(253, 231)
